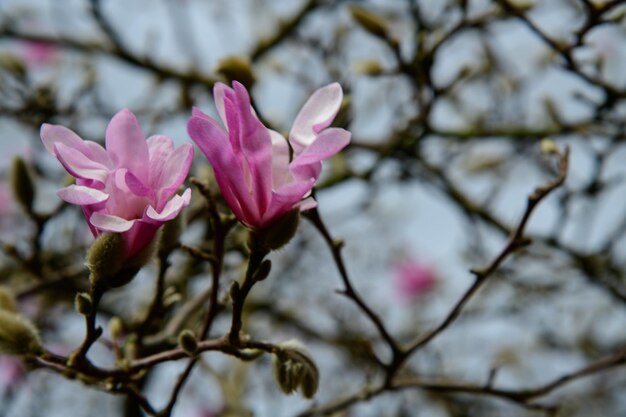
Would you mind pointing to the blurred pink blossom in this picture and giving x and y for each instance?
(127, 188)
(413, 279)
(12, 372)
(39, 53)
(252, 164)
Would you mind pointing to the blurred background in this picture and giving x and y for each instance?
(449, 103)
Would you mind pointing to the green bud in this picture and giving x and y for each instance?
(13, 64)
(116, 327)
(83, 303)
(263, 271)
(188, 342)
(277, 234)
(369, 67)
(22, 184)
(369, 21)
(236, 68)
(18, 336)
(234, 291)
(293, 369)
(7, 301)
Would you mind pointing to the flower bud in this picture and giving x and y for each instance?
(294, 369)
(277, 234)
(18, 336)
(549, 147)
(116, 327)
(370, 21)
(22, 184)
(234, 291)
(369, 67)
(7, 301)
(83, 303)
(236, 68)
(187, 342)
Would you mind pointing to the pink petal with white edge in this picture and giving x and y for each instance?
(126, 144)
(307, 204)
(174, 171)
(171, 209)
(159, 149)
(219, 91)
(317, 113)
(135, 185)
(53, 134)
(79, 165)
(328, 143)
(280, 160)
(81, 195)
(286, 198)
(110, 223)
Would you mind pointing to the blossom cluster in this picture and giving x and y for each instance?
(129, 186)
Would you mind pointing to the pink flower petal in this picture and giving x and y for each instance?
(256, 146)
(110, 223)
(171, 209)
(308, 163)
(317, 113)
(81, 195)
(285, 199)
(159, 149)
(213, 142)
(135, 185)
(173, 172)
(79, 165)
(219, 90)
(126, 144)
(53, 134)
(280, 160)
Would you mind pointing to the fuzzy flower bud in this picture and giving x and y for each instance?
(22, 184)
(294, 369)
(18, 336)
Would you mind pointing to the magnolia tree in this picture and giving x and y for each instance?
(399, 208)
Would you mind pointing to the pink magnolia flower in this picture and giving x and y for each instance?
(252, 164)
(127, 188)
(39, 53)
(413, 279)
(12, 372)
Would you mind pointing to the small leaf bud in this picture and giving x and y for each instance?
(370, 21)
(263, 271)
(116, 327)
(7, 301)
(83, 303)
(188, 343)
(18, 336)
(234, 291)
(368, 67)
(549, 147)
(237, 68)
(22, 184)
